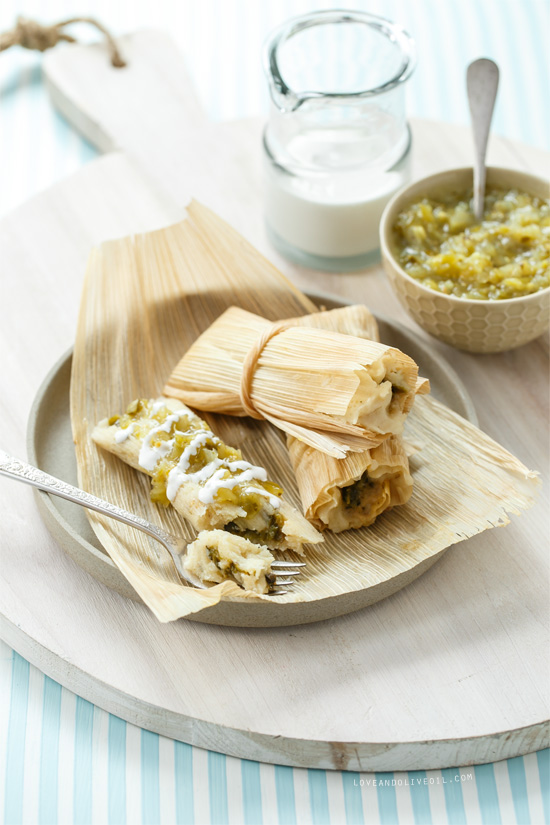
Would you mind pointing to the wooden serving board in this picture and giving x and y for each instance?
(448, 671)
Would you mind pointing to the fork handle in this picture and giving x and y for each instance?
(11, 467)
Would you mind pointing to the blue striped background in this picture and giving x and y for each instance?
(200, 790)
(64, 760)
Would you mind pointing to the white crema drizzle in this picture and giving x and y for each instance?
(124, 433)
(275, 501)
(217, 481)
(150, 454)
(211, 475)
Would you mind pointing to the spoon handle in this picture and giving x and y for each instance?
(482, 85)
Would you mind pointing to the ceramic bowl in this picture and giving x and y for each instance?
(476, 326)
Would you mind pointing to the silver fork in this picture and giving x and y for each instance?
(11, 467)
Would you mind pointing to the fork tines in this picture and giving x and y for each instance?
(281, 571)
(288, 563)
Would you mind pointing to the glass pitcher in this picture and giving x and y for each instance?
(337, 143)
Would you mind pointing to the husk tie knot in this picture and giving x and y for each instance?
(251, 362)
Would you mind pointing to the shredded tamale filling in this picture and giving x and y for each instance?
(232, 569)
(272, 533)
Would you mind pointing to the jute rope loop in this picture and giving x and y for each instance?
(250, 363)
(32, 35)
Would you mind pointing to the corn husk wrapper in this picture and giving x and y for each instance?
(321, 477)
(355, 319)
(145, 299)
(308, 379)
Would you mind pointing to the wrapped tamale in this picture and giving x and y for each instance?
(342, 494)
(207, 481)
(347, 493)
(336, 392)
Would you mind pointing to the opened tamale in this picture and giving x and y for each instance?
(207, 481)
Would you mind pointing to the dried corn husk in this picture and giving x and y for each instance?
(303, 376)
(145, 299)
(355, 319)
(322, 478)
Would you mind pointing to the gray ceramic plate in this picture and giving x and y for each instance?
(50, 445)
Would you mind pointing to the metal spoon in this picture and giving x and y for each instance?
(482, 85)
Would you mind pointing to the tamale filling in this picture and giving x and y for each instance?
(354, 495)
(182, 432)
(269, 535)
(232, 569)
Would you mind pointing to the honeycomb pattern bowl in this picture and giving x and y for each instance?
(476, 326)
